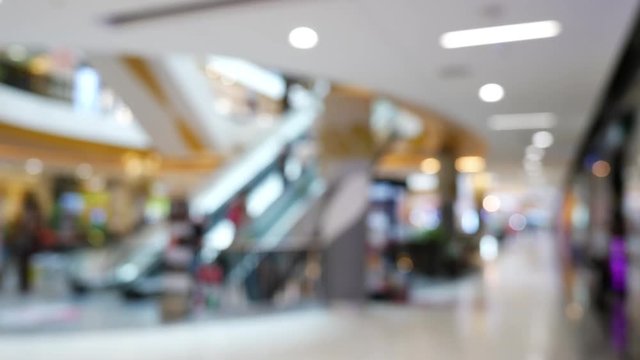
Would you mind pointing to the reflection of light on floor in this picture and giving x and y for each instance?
(489, 248)
(509, 311)
(517, 222)
(490, 275)
(539, 340)
(574, 311)
(34, 315)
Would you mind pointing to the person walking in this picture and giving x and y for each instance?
(24, 241)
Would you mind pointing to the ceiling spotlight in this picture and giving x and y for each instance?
(303, 38)
(500, 34)
(491, 93)
(542, 139)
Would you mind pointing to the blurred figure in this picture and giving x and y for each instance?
(179, 262)
(68, 230)
(23, 240)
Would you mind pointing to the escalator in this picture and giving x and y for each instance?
(135, 257)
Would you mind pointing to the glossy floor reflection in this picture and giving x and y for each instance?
(512, 311)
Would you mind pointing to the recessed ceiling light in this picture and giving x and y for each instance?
(491, 92)
(500, 34)
(303, 38)
(542, 139)
(527, 121)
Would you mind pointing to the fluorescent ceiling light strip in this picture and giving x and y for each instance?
(500, 34)
(529, 121)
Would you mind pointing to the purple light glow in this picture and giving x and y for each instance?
(618, 264)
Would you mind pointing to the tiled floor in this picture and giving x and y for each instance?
(512, 311)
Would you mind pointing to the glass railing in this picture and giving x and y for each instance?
(82, 89)
(240, 281)
(18, 76)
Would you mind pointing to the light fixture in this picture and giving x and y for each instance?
(220, 236)
(404, 264)
(491, 203)
(483, 180)
(491, 92)
(424, 218)
(526, 121)
(419, 182)
(489, 247)
(123, 115)
(33, 166)
(84, 171)
(601, 168)
(127, 272)
(264, 194)
(517, 222)
(470, 221)
(303, 38)
(17, 53)
(430, 166)
(542, 139)
(470, 164)
(500, 34)
(40, 65)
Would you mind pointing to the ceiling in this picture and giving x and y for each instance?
(390, 47)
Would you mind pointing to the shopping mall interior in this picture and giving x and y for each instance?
(319, 179)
